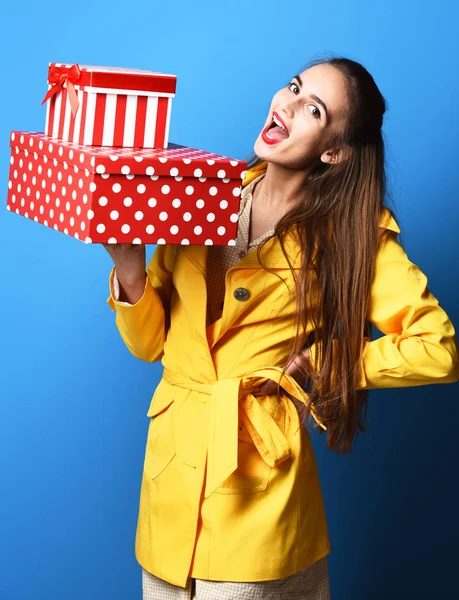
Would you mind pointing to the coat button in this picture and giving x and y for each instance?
(241, 294)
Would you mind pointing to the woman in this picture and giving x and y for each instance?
(231, 505)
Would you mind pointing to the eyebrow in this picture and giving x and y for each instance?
(313, 96)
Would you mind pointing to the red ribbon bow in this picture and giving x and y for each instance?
(60, 75)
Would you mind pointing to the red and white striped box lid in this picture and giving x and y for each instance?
(118, 80)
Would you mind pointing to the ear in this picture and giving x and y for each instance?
(333, 156)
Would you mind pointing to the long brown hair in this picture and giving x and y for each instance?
(336, 222)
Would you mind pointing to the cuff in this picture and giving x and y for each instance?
(114, 285)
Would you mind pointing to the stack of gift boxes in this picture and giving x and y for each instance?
(104, 172)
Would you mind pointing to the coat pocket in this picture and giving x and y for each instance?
(160, 448)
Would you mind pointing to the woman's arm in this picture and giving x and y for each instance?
(142, 308)
(419, 344)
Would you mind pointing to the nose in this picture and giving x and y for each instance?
(287, 107)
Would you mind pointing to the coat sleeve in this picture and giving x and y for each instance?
(143, 326)
(419, 343)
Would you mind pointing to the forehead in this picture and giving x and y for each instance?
(326, 82)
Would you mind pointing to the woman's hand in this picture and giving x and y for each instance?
(130, 264)
(294, 369)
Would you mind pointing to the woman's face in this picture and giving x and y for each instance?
(302, 118)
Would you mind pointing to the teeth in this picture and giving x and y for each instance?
(278, 123)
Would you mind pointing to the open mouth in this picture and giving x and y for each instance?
(276, 131)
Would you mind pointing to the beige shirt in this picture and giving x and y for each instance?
(222, 258)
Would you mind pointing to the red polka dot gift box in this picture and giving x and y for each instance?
(109, 106)
(177, 195)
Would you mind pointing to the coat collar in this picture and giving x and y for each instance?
(386, 220)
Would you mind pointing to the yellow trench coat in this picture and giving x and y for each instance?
(230, 488)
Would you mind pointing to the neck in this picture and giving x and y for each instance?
(280, 186)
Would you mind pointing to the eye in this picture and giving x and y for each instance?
(293, 88)
(315, 112)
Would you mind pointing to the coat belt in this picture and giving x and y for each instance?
(227, 396)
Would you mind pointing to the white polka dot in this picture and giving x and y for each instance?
(31, 205)
(234, 163)
(211, 217)
(61, 151)
(187, 161)
(22, 202)
(165, 189)
(116, 187)
(221, 230)
(234, 218)
(13, 136)
(71, 154)
(45, 222)
(28, 191)
(150, 171)
(187, 216)
(66, 231)
(48, 198)
(67, 206)
(103, 201)
(58, 202)
(200, 204)
(136, 241)
(178, 178)
(64, 190)
(80, 183)
(114, 215)
(152, 202)
(113, 157)
(208, 243)
(221, 174)
(243, 174)
(10, 185)
(213, 191)
(185, 242)
(72, 221)
(78, 210)
(161, 241)
(226, 180)
(88, 240)
(163, 215)
(154, 177)
(42, 209)
(43, 184)
(174, 229)
(111, 240)
(237, 191)
(90, 214)
(24, 177)
(105, 175)
(150, 229)
(51, 213)
(176, 203)
(21, 139)
(210, 162)
(163, 160)
(174, 172)
(69, 180)
(92, 186)
(50, 148)
(85, 198)
(82, 226)
(100, 169)
(198, 230)
(21, 163)
(56, 227)
(81, 157)
(100, 228)
(231, 242)
(189, 190)
(141, 188)
(34, 180)
(40, 169)
(198, 172)
(93, 161)
(138, 215)
(224, 204)
(125, 228)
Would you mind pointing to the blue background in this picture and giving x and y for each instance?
(73, 400)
